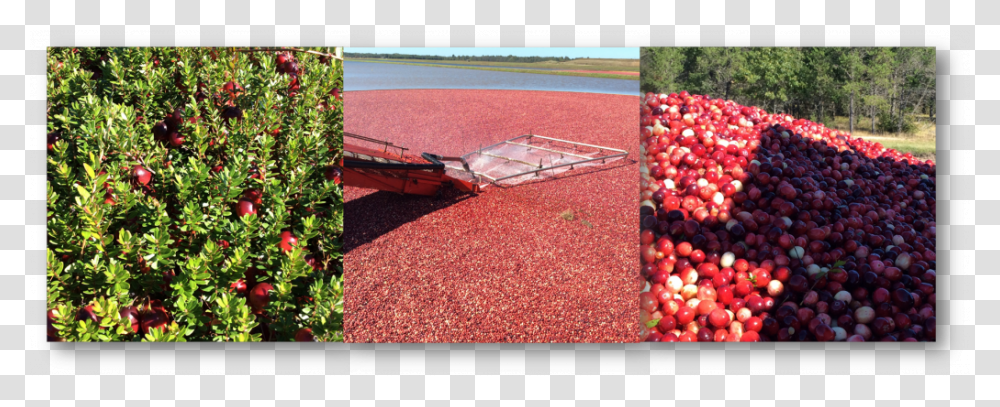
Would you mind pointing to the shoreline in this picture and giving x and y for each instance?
(589, 74)
(575, 92)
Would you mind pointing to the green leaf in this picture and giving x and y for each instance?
(83, 192)
(90, 171)
(651, 323)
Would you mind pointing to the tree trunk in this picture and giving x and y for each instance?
(851, 120)
(919, 105)
(873, 119)
(902, 93)
(893, 99)
(892, 105)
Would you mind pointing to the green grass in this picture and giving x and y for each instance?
(862, 127)
(627, 65)
(526, 67)
(922, 142)
(922, 149)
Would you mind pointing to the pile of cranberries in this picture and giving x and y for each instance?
(762, 227)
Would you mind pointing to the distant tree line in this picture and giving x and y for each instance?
(467, 58)
(887, 84)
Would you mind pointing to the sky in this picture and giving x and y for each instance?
(631, 53)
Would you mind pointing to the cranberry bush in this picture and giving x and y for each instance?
(189, 197)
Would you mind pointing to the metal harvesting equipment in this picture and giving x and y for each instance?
(379, 164)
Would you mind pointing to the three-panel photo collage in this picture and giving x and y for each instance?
(491, 195)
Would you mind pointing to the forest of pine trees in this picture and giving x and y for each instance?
(888, 84)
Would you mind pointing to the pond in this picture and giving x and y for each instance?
(380, 76)
(432, 62)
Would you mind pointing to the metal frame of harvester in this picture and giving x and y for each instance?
(385, 166)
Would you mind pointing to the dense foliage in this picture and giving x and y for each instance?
(193, 194)
(886, 84)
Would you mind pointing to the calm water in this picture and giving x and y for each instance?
(377, 76)
(477, 66)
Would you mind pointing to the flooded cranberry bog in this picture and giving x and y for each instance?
(550, 259)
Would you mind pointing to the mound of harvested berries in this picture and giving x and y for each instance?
(763, 227)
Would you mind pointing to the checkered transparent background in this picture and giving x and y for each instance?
(964, 365)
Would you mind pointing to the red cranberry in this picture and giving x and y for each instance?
(902, 299)
(259, 297)
(287, 241)
(245, 207)
(132, 315)
(304, 335)
(141, 175)
(824, 333)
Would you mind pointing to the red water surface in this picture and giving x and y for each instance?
(504, 265)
